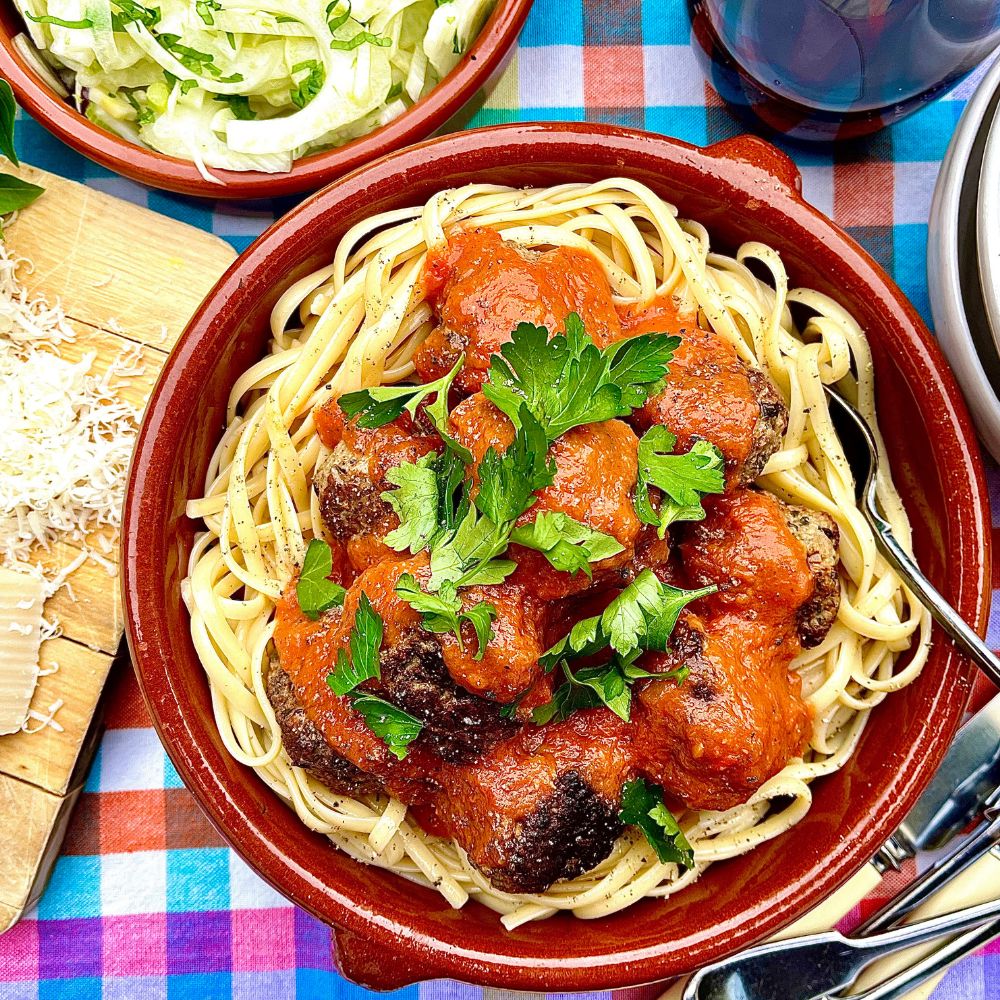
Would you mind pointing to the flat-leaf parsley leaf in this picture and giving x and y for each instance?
(567, 381)
(642, 617)
(642, 806)
(317, 593)
(569, 545)
(683, 479)
(365, 641)
(394, 727)
(442, 611)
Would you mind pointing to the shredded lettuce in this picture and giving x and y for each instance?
(248, 84)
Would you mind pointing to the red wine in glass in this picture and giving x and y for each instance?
(838, 69)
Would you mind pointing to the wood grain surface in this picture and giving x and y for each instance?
(129, 280)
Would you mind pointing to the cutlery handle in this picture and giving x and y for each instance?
(900, 938)
(977, 884)
(821, 918)
(943, 613)
(937, 879)
(901, 986)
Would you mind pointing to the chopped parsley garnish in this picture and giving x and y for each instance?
(567, 544)
(442, 611)
(238, 104)
(58, 21)
(337, 18)
(642, 806)
(609, 685)
(317, 593)
(205, 10)
(382, 404)
(396, 728)
(201, 63)
(361, 38)
(425, 500)
(683, 479)
(130, 11)
(567, 381)
(186, 85)
(508, 479)
(143, 114)
(310, 85)
(365, 641)
(641, 617)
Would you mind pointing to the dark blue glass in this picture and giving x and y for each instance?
(833, 69)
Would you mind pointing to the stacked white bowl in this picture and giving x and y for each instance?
(963, 256)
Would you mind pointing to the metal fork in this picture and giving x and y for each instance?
(862, 456)
(822, 964)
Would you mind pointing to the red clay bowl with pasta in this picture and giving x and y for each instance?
(449, 105)
(387, 931)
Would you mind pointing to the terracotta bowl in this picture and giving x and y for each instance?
(450, 105)
(388, 932)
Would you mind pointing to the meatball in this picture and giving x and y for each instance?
(820, 537)
(542, 805)
(457, 725)
(734, 722)
(483, 286)
(305, 744)
(596, 471)
(772, 562)
(712, 394)
(350, 481)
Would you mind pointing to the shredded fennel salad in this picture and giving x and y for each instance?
(246, 84)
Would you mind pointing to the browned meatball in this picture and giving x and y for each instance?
(714, 739)
(712, 394)
(483, 287)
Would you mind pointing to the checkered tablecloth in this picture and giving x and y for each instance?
(146, 901)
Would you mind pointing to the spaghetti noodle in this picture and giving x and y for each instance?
(357, 323)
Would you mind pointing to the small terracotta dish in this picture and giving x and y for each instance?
(448, 106)
(387, 931)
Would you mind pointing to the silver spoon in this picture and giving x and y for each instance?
(819, 965)
(862, 456)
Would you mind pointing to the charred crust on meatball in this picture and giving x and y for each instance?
(570, 831)
(457, 725)
(769, 428)
(820, 537)
(305, 744)
(349, 503)
(687, 641)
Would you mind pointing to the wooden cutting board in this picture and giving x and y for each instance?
(125, 276)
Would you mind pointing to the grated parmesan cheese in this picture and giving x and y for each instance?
(65, 435)
(65, 443)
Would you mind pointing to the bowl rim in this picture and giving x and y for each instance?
(487, 56)
(750, 168)
(953, 324)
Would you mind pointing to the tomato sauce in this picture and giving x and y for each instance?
(711, 741)
(482, 286)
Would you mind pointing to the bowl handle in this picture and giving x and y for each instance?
(365, 963)
(762, 155)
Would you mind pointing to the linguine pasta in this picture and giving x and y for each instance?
(356, 323)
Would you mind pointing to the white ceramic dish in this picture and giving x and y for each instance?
(957, 303)
(988, 228)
